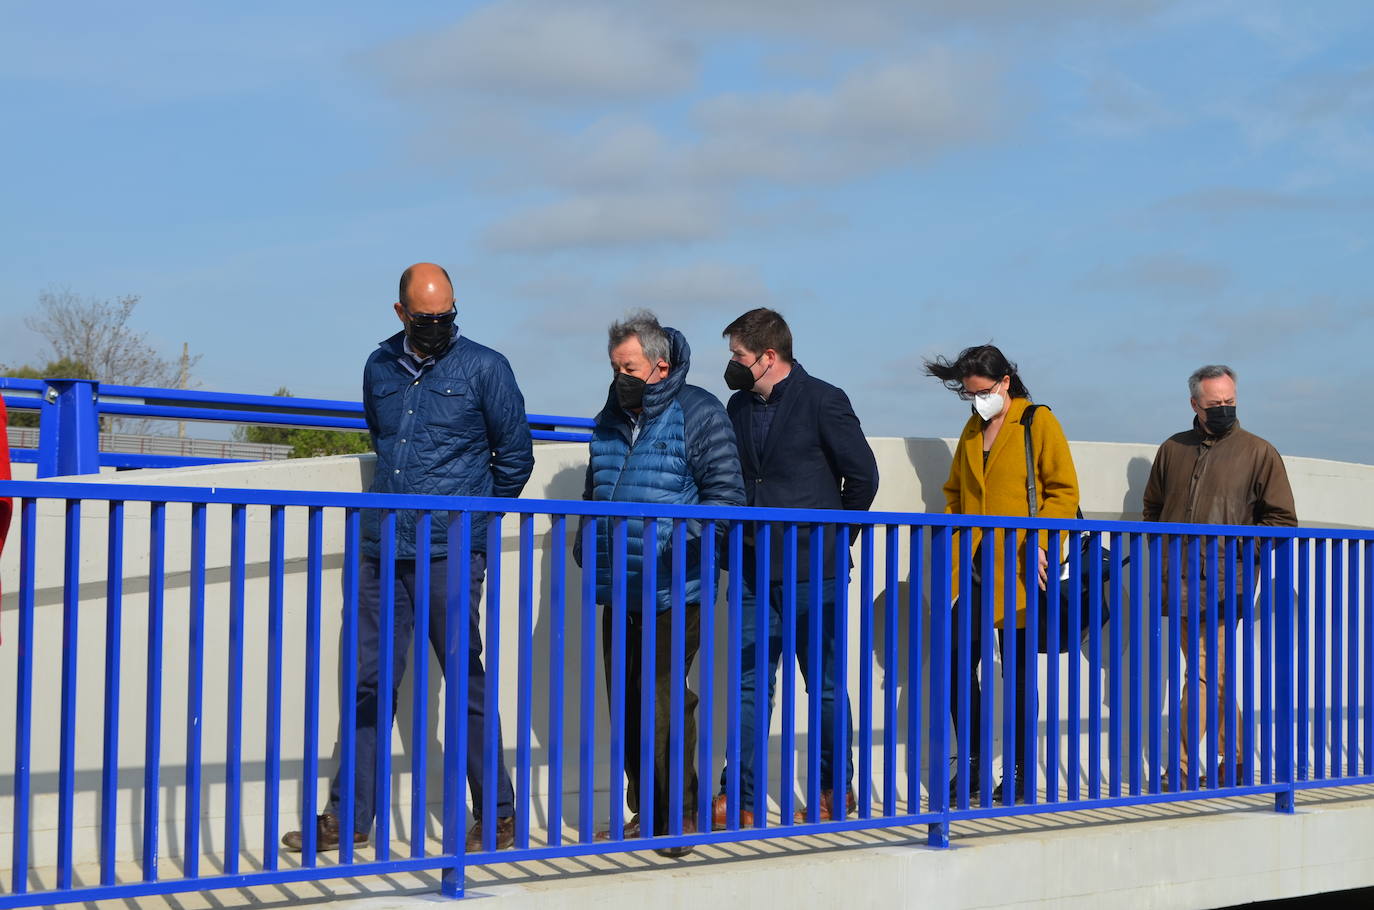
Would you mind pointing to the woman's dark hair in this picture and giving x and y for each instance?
(979, 360)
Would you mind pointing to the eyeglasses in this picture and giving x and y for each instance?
(966, 395)
(433, 318)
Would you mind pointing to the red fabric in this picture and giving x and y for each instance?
(6, 507)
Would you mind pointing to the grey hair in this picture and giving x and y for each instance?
(1211, 371)
(643, 325)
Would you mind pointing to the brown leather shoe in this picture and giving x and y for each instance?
(631, 830)
(720, 814)
(689, 826)
(505, 835)
(827, 806)
(326, 835)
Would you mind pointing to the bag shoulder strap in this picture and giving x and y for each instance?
(1027, 417)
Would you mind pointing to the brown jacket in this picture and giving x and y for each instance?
(1235, 479)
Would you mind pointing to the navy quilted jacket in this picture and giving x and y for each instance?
(685, 454)
(457, 429)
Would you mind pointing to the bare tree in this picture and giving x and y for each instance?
(97, 333)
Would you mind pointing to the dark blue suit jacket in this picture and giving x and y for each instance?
(815, 457)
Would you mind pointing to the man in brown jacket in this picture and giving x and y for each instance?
(1215, 473)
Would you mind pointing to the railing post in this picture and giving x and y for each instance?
(457, 610)
(69, 429)
(1283, 676)
(941, 554)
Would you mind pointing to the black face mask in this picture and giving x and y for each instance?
(430, 335)
(739, 377)
(1220, 419)
(629, 391)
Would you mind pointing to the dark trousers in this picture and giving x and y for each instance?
(752, 714)
(663, 706)
(1026, 655)
(369, 646)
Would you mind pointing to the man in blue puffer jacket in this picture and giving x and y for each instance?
(662, 441)
(448, 419)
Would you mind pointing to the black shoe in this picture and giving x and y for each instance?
(974, 778)
(1018, 788)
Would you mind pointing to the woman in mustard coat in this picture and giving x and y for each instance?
(988, 477)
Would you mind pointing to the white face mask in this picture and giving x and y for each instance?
(989, 405)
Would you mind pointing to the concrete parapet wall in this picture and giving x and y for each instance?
(1112, 476)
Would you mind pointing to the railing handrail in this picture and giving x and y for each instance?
(56, 457)
(124, 492)
(24, 385)
(210, 401)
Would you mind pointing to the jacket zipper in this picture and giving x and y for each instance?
(621, 473)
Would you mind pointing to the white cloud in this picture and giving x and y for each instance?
(700, 284)
(610, 221)
(1265, 325)
(1235, 201)
(1120, 106)
(1325, 114)
(612, 153)
(1161, 274)
(542, 53)
(885, 116)
(131, 56)
(634, 186)
(877, 118)
(877, 22)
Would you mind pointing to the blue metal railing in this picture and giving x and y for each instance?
(70, 412)
(1300, 614)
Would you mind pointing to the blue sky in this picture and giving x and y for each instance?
(1115, 193)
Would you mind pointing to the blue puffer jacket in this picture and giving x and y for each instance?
(457, 429)
(685, 454)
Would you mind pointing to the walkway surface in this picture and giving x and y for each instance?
(1198, 854)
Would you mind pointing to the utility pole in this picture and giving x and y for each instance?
(183, 375)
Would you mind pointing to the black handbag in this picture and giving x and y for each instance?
(1067, 620)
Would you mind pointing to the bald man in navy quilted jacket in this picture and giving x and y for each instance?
(446, 418)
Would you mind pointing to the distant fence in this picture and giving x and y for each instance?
(1298, 651)
(70, 412)
(225, 450)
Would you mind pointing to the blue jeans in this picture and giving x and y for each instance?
(750, 717)
(369, 643)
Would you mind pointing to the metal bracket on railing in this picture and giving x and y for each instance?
(69, 429)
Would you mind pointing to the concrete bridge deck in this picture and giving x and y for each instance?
(1206, 853)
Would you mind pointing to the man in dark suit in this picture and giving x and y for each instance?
(800, 446)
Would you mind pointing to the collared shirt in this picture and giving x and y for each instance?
(762, 411)
(415, 364)
(636, 424)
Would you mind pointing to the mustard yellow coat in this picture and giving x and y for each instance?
(1001, 490)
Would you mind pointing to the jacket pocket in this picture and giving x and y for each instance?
(387, 404)
(449, 413)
